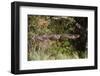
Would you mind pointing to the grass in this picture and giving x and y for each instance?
(54, 50)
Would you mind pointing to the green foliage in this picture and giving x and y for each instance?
(56, 49)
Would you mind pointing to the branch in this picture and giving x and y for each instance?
(55, 37)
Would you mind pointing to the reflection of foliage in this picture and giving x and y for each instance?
(57, 49)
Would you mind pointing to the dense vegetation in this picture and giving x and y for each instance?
(57, 37)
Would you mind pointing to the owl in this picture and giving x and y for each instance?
(42, 23)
